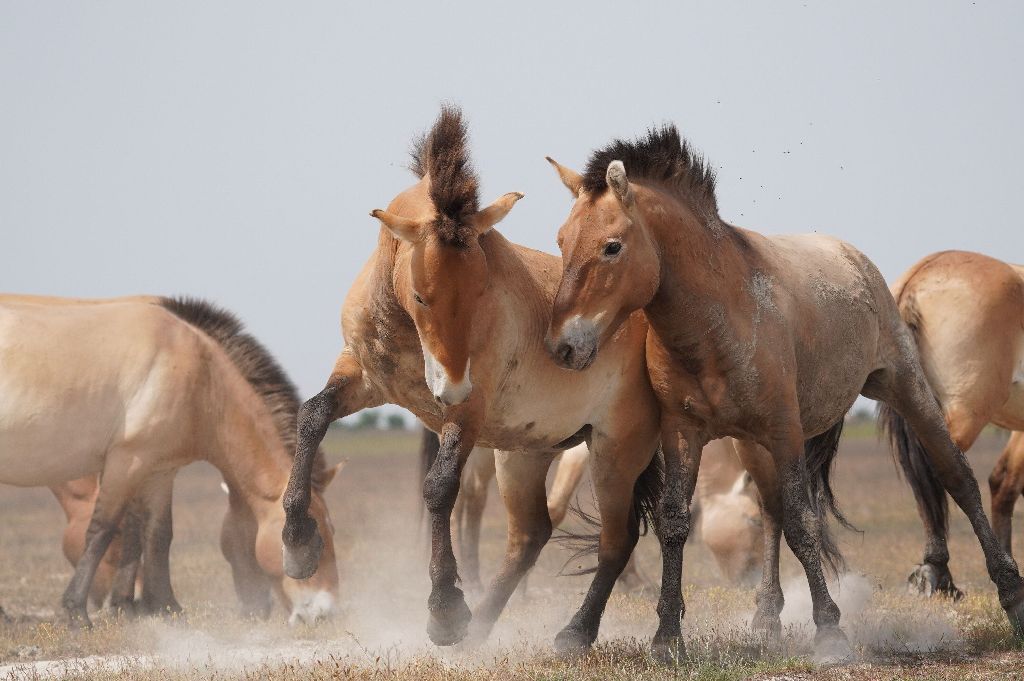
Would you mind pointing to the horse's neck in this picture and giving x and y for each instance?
(522, 285)
(245, 446)
(703, 270)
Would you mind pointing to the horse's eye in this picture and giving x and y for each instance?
(612, 248)
(419, 301)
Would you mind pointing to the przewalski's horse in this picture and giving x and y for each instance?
(725, 509)
(447, 319)
(767, 339)
(133, 389)
(966, 312)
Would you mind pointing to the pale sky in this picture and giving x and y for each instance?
(232, 150)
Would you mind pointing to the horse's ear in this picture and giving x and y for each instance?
(617, 180)
(329, 474)
(572, 180)
(486, 218)
(406, 229)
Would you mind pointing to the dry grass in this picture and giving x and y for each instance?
(384, 580)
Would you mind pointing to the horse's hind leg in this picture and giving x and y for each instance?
(911, 396)
(1006, 484)
(616, 467)
(758, 462)
(157, 593)
(521, 483)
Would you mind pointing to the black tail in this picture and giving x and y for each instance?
(819, 458)
(913, 459)
(647, 491)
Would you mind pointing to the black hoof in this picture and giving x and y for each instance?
(449, 623)
(831, 646)
(78, 620)
(932, 580)
(1015, 613)
(301, 560)
(767, 627)
(668, 650)
(127, 609)
(573, 642)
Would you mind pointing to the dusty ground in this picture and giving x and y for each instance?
(380, 634)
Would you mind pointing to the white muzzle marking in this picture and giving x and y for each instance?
(311, 606)
(441, 385)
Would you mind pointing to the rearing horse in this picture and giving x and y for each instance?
(447, 319)
(767, 339)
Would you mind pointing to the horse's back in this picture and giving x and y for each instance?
(967, 313)
(79, 378)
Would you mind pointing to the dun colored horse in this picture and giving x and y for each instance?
(766, 339)
(725, 509)
(447, 319)
(133, 389)
(966, 314)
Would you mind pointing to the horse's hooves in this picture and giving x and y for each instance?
(932, 580)
(573, 642)
(301, 560)
(668, 650)
(449, 624)
(79, 621)
(767, 627)
(1015, 613)
(831, 646)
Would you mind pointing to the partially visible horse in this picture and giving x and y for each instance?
(768, 339)
(447, 319)
(133, 389)
(725, 509)
(966, 315)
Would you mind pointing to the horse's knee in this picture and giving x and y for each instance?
(673, 521)
(316, 414)
(440, 490)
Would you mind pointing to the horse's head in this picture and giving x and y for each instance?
(442, 280)
(252, 544)
(610, 266)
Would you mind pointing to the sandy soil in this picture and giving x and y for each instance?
(382, 552)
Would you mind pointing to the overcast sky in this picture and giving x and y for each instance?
(233, 151)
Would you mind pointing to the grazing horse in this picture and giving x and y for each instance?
(447, 319)
(725, 508)
(966, 314)
(133, 389)
(766, 339)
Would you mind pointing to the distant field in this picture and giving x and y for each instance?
(382, 552)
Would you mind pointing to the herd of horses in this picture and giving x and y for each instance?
(662, 336)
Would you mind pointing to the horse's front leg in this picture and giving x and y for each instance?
(449, 614)
(682, 447)
(346, 392)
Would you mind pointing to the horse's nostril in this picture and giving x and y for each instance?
(564, 352)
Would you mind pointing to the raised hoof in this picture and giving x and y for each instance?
(301, 560)
(571, 642)
(930, 580)
(668, 650)
(449, 624)
(831, 646)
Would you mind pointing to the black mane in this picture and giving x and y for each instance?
(443, 154)
(254, 362)
(661, 156)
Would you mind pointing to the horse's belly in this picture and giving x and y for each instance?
(38, 447)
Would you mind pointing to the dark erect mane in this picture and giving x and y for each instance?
(660, 156)
(254, 362)
(443, 154)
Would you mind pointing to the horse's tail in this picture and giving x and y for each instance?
(913, 459)
(430, 446)
(647, 493)
(819, 458)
